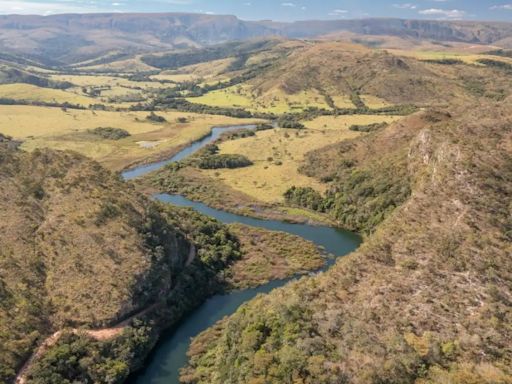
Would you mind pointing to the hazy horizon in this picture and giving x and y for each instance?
(491, 10)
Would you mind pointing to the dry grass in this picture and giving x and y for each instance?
(344, 122)
(33, 93)
(342, 101)
(210, 70)
(274, 101)
(104, 81)
(42, 127)
(374, 102)
(129, 65)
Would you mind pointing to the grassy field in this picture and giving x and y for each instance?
(33, 93)
(54, 128)
(208, 71)
(274, 101)
(342, 101)
(344, 122)
(278, 153)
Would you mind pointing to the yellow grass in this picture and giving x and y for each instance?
(208, 71)
(53, 128)
(33, 93)
(103, 81)
(274, 101)
(344, 122)
(128, 65)
(374, 102)
(177, 78)
(265, 180)
(342, 102)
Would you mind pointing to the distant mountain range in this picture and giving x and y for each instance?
(72, 38)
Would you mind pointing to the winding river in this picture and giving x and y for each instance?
(170, 354)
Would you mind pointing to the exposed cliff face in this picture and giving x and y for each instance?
(78, 248)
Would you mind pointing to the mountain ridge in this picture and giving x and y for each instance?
(70, 38)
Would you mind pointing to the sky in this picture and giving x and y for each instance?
(279, 10)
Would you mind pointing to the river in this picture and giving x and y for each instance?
(170, 354)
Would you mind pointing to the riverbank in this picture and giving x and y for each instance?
(170, 353)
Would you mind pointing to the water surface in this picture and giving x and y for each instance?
(171, 352)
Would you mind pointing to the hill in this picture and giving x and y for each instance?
(427, 297)
(82, 251)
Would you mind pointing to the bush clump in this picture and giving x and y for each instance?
(224, 161)
(289, 121)
(153, 117)
(368, 127)
(110, 133)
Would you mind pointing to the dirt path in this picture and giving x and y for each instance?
(103, 334)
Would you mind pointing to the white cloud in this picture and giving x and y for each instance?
(288, 4)
(405, 6)
(508, 7)
(338, 12)
(443, 13)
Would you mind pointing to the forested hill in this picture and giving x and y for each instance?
(73, 38)
(91, 271)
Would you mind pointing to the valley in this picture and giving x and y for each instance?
(294, 203)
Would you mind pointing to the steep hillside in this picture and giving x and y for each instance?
(427, 299)
(79, 248)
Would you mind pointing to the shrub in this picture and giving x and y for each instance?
(289, 121)
(155, 118)
(224, 161)
(110, 133)
(368, 127)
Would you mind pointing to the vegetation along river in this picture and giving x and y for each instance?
(170, 354)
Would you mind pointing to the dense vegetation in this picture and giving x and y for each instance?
(368, 127)
(367, 185)
(445, 61)
(110, 133)
(153, 117)
(224, 161)
(289, 121)
(497, 64)
(209, 158)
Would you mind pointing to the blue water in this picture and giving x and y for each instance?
(171, 352)
(194, 147)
